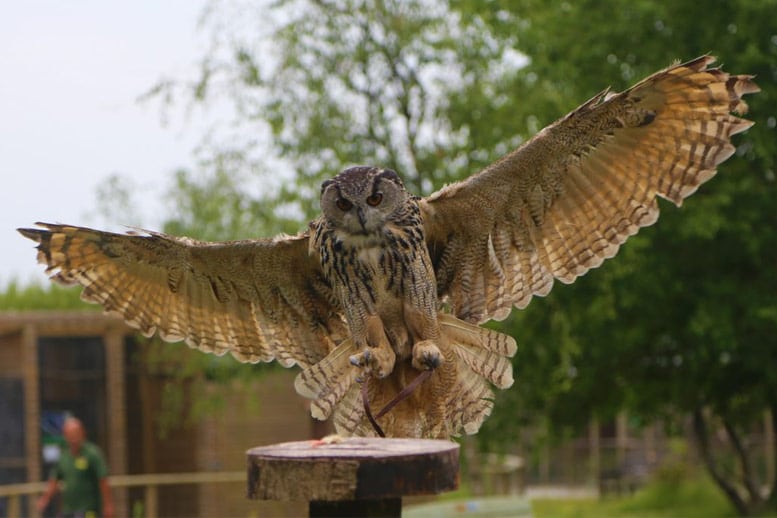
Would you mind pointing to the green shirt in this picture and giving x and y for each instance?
(81, 477)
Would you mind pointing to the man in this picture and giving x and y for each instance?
(82, 469)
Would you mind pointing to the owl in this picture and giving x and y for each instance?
(380, 300)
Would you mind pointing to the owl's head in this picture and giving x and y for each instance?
(360, 200)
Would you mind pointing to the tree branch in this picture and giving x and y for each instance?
(702, 436)
(773, 491)
(748, 477)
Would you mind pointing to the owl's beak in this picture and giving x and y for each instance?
(362, 219)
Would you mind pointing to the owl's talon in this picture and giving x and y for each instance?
(427, 356)
(378, 361)
(360, 360)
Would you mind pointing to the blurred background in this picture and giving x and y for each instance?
(647, 387)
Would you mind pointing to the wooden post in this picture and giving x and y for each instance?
(31, 407)
(353, 476)
(621, 438)
(117, 411)
(545, 463)
(14, 509)
(651, 453)
(151, 501)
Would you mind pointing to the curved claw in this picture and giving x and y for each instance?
(360, 360)
(427, 356)
(376, 360)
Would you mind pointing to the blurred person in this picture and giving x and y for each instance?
(82, 469)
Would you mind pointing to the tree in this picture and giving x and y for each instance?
(683, 320)
(340, 83)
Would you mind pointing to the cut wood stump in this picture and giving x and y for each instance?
(353, 476)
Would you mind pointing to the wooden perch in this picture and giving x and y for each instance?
(353, 476)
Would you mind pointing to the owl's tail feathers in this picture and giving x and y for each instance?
(327, 381)
(485, 351)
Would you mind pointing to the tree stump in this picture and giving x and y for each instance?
(353, 476)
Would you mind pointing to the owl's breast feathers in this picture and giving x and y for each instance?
(379, 269)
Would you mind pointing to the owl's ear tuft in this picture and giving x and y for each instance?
(391, 175)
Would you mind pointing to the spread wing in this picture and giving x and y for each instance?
(259, 300)
(566, 200)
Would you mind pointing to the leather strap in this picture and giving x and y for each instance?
(409, 388)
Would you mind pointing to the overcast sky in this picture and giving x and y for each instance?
(70, 76)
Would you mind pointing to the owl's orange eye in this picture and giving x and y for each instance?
(375, 199)
(344, 205)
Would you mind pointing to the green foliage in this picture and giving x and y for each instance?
(370, 81)
(676, 488)
(362, 81)
(684, 316)
(691, 497)
(219, 206)
(16, 297)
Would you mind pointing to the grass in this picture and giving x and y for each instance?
(667, 496)
(675, 491)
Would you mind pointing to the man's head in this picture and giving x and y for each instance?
(74, 433)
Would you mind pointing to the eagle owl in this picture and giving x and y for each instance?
(380, 300)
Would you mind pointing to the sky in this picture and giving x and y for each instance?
(71, 74)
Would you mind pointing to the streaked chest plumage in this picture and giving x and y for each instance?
(377, 269)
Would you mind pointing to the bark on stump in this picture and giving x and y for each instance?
(355, 476)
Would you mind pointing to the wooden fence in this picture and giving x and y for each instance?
(151, 482)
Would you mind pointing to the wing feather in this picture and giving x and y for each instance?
(327, 381)
(259, 300)
(566, 200)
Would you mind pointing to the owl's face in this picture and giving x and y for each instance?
(360, 200)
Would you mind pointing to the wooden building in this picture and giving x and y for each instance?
(87, 364)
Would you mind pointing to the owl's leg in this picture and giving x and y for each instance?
(437, 402)
(425, 330)
(378, 357)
